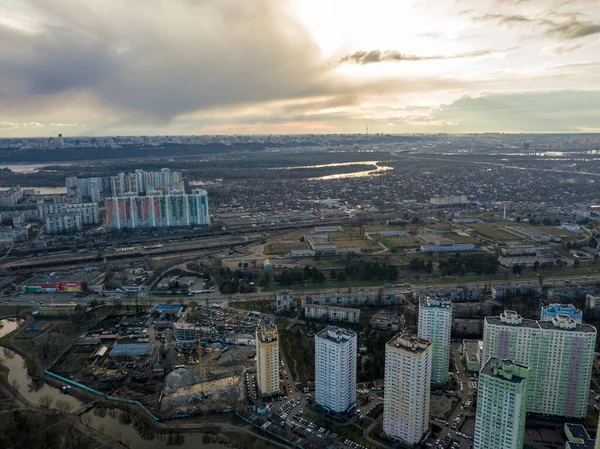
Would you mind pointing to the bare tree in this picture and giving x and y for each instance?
(63, 407)
(46, 401)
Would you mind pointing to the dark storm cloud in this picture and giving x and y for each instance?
(373, 56)
(159, 59)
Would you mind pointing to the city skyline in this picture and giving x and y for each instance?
(277, 67)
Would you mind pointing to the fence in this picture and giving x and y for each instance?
(163, 418)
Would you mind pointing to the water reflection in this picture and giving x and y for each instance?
(123, 426)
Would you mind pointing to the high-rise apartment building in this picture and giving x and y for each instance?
(267, 359)
(335, 369)
(435, 324)
(501, 405)
(407, 388)
(559, 353)
(156, 210)
(90, 189)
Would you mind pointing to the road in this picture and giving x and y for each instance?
(35, 298)
(465, 395)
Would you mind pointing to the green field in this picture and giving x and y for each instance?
(494, 231)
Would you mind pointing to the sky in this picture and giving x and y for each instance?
(156, 67)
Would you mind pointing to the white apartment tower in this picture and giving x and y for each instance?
(267, 359)
(559, 353)
(501, 405)
(435, 324)
(407, 388)
(335, 369)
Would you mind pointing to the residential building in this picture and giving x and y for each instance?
(11, 196)
(89, 189)
(89, 212)
(435, 324)
(577, 437)
(559, 353)
(501, 405)
(449, 200)
(332, 313)
(284, 301)
(61, 223)
(335, 369)
(407, 388)
(157, 210)
(267, 359)
(472, 351)
(551, 311)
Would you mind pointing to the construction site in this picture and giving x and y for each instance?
(172, 359)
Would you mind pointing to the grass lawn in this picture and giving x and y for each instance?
(556, 230)
(258, 306)
(494, 231)
(12, 310)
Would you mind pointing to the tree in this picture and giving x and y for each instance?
(576, 263)
(517, 269)
(536, 265)
(46, 401)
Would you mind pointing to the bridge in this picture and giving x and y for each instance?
(84, 408)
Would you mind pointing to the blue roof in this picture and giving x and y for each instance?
(164, 307)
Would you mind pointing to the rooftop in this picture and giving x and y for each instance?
(428, 301)
(472, 350)
(560, 322)
(506, 370)
(131, 349)
(410, 343)
(336, 334)
(558, 308)
(266, 332)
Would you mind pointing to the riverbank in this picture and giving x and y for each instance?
(119, 424)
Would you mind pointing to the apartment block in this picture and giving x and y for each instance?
(559, 354)
(407, 388)
(89, 212)
(332, 313)
(335, 369)
(501, 405)
(157, 210)
(435, 324)
(284, 301)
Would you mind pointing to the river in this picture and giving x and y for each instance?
(108, 424)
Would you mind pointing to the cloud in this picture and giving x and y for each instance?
(562, 49)
(373, 56)
(154, 63)
(20, 125)
(569, 29)
(551, 111)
